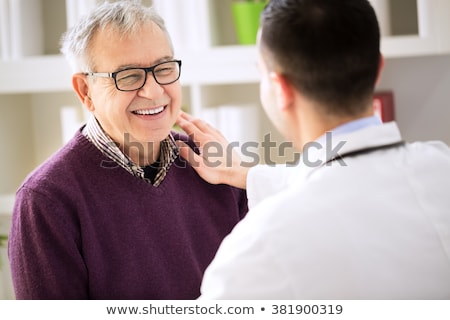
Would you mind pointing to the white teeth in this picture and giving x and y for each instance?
(150, 111)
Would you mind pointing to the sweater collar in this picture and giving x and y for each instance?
(169, 152)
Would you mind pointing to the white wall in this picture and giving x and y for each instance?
(16, 141)
(421, 88)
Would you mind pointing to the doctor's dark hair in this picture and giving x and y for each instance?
(328, 49)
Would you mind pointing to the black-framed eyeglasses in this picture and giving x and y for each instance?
(132, 79)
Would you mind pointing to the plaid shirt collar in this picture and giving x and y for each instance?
(169, 152)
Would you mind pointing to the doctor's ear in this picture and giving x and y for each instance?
(81, 86)
(284, 90)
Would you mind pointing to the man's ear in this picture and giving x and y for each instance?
(284, 90)
(81, 87)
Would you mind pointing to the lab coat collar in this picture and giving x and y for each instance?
(330, 145)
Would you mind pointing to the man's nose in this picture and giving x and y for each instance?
(151, 88)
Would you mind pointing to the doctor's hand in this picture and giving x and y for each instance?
(218, 162)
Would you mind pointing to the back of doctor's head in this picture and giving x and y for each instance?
(329, 49)
(124, 17)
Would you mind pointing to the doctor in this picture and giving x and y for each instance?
(372, 222)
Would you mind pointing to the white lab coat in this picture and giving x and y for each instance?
(377, 228)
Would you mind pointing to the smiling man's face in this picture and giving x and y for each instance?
(141, 116)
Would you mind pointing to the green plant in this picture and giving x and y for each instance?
(246, 16)
(3, 243)
(3, 240)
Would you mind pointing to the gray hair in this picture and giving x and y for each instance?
(125, 17)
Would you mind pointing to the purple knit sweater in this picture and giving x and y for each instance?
(81, 230)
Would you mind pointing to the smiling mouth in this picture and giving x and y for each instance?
(149, 112)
